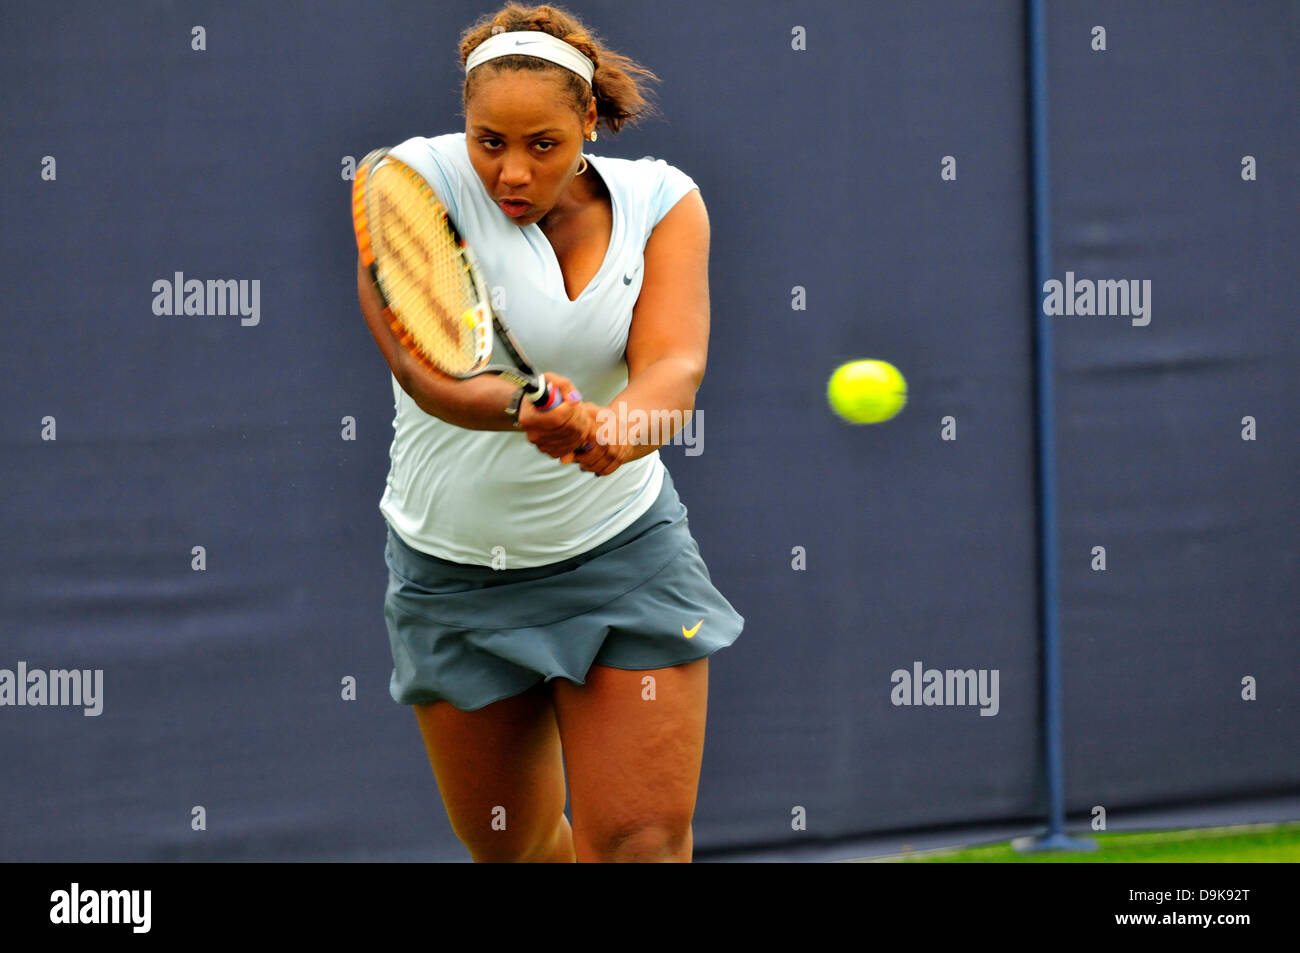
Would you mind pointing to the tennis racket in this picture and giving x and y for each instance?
(438, 303)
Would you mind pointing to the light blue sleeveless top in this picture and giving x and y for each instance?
(471, 495)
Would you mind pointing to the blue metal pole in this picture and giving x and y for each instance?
(1056, 838)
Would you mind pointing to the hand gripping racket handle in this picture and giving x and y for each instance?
(552, 398)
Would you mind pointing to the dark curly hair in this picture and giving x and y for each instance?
(618, 83)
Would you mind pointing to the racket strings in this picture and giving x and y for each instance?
(422, 270)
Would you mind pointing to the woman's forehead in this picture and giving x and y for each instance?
(531, 85)
(518, 92)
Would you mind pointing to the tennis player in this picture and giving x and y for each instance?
(545, 602)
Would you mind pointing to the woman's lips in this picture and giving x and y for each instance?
(514, 209)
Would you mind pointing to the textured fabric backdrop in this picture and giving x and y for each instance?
(818, 133)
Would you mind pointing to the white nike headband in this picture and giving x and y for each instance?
(532, 43)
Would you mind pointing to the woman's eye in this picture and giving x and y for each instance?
(493, 144)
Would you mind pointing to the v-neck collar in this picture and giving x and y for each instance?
(557, 273)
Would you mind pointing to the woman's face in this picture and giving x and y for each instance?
(524, 140)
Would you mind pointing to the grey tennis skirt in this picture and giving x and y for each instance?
(472, 635)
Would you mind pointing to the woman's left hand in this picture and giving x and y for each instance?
(602, 458)
(564, 430)
(560, 431)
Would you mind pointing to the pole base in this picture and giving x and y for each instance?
(1057, 841)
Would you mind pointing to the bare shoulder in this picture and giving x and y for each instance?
(681, 239)
(687, 217)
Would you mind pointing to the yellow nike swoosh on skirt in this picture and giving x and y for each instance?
(690, 632)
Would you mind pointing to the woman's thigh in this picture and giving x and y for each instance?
(500, 773)
(633, 742)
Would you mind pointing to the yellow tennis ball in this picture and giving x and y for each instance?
(866, 392)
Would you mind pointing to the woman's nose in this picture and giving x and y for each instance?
(515, 173)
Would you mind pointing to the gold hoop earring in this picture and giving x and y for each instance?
(584, 166)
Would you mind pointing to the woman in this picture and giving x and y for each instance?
(544, 601)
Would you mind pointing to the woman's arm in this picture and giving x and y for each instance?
(668, 342)
(476, 404)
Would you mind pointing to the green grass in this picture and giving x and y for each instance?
(1262, 843)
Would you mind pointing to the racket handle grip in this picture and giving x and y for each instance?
(548, 399)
